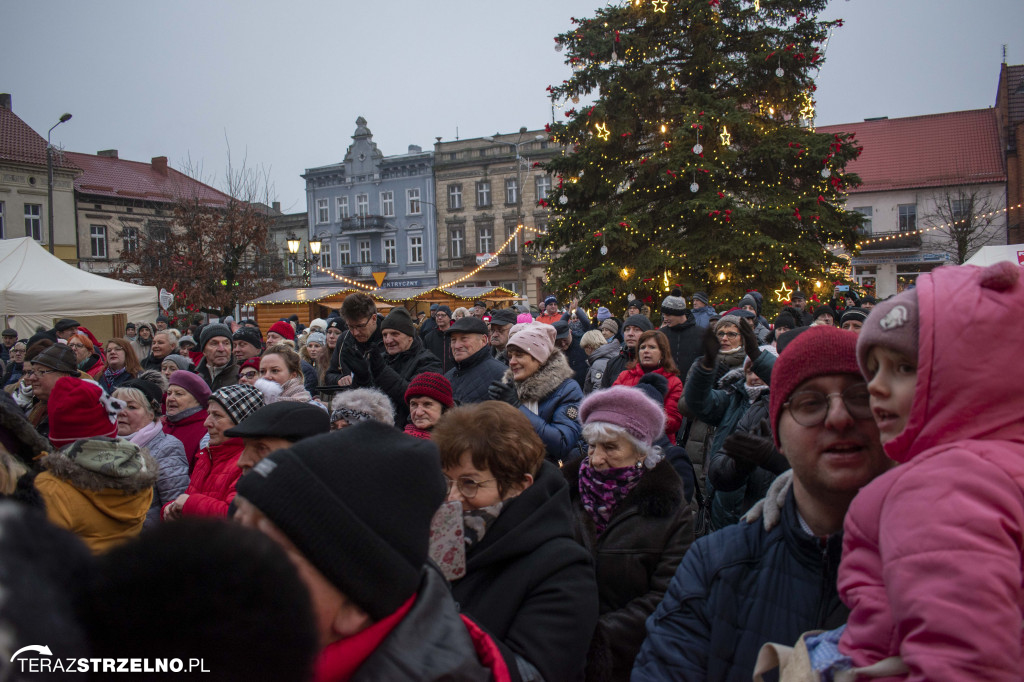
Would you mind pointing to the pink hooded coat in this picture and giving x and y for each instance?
(933, 551)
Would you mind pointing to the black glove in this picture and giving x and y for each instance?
(503, 392)
(376, 360)
(356, 363)
(750, 344)
(711, 348)
(755, 450)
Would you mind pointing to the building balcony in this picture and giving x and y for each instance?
(362, 269)
(366, 223)
(892, 241)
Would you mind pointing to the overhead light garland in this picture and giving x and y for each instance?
(943, 226)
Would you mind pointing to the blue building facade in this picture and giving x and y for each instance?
(375, 213)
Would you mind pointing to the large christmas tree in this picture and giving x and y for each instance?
(693, 160)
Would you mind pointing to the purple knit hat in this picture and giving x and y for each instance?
(536, 338)
(628, 408)
(192, 383)
(894, 324)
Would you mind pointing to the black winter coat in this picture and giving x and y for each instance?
(436, 341)
(736, 589)
(399, 371)
(336, 369)
(617, 365)
(686, 342)
(636, 557)
(530, 585)
(471, 377)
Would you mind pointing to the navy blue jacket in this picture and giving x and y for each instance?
(558, 399)
(736, 589)
(471, 377)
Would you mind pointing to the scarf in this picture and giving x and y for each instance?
(414, 431)
(754, 392)
(601, 491)
(175, 418)
(477, 521)
(146, 433)
(110, 374)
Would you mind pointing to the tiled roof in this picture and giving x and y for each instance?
(123, 179)
(20, 144)
(926, 151)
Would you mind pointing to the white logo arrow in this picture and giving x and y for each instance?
(32, 647)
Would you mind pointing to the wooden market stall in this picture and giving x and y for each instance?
(312, 302)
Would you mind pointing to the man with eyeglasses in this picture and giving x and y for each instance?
(43, 370)
(773, 576)
(362, 344)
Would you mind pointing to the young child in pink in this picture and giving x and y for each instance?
(933, 550)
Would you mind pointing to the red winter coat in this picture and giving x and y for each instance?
(212, 485)
(673, 420)
(190, 432)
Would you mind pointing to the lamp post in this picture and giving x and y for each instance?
(307, 261)
(49, 179)
(521, 283)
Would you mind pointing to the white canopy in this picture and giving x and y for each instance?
(36, 288)
(987, 255)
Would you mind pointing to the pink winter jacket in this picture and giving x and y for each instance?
(933, 550)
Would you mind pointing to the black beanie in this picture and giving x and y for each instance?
(641, 321)
(655, 386)
(361, 515)
(399, 320)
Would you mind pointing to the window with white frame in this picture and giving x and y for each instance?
(344, 253)
(457, 236)
(390, 254)
(3, 233)
(511, 190)
(342, 208)
(907, 217)
(325, 255)
(485, 237)
(321, 211)
(962, 209)
(98, 241)
(387, 204)
(364, 250)
(292, 267)
(867, 212)
(542, 184)
(454, 197)
(416, 249)
(129, 240)
(34, 221)
(412, 201)
(362, 204)
(483, 193)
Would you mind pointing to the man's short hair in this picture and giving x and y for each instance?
(358, 306)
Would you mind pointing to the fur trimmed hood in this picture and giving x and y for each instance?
(140, 475)
(543, 383)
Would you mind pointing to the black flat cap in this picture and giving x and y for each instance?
(288, 420)
(504, 316)
(561, 329)
(66, 323)
(468, 325)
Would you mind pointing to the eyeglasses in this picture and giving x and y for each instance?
(730, 335)
(76, 345)
(810, 408)
(362, 326)
(467, 486)
(39, 372)
(252, 374)
(111, 349)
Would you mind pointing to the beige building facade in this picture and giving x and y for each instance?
(483, 186)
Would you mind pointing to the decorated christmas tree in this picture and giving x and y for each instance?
(692, 160)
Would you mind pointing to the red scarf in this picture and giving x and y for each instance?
(339, 661)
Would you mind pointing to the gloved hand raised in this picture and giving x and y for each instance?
(750, 344)
(498, 390)
(711, 348)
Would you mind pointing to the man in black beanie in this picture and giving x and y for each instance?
(357, 525)
(684, 336)
(405, 357)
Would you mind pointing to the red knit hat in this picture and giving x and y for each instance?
(431, 385)
(819, 351)
(253, 362)
(80, 409)
(284, 329)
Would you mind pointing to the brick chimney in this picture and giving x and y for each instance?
(160, 164)
(108, 153)
(277, 206)
(5, 101)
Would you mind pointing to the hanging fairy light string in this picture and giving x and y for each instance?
(980, 216)
(346, 280)
(481, 266)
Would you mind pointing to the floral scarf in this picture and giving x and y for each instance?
(601, 491)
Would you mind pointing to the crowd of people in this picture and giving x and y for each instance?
(527, 494)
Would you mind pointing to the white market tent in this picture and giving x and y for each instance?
(987, 255)
(37, 288)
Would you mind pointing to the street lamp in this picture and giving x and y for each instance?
(519, 204)
(307, 261)
(49, 177)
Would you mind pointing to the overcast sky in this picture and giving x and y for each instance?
(284, 82)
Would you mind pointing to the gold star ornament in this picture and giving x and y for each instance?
(725, 137)
(782, 295)
(660, 5)
(602, 131)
